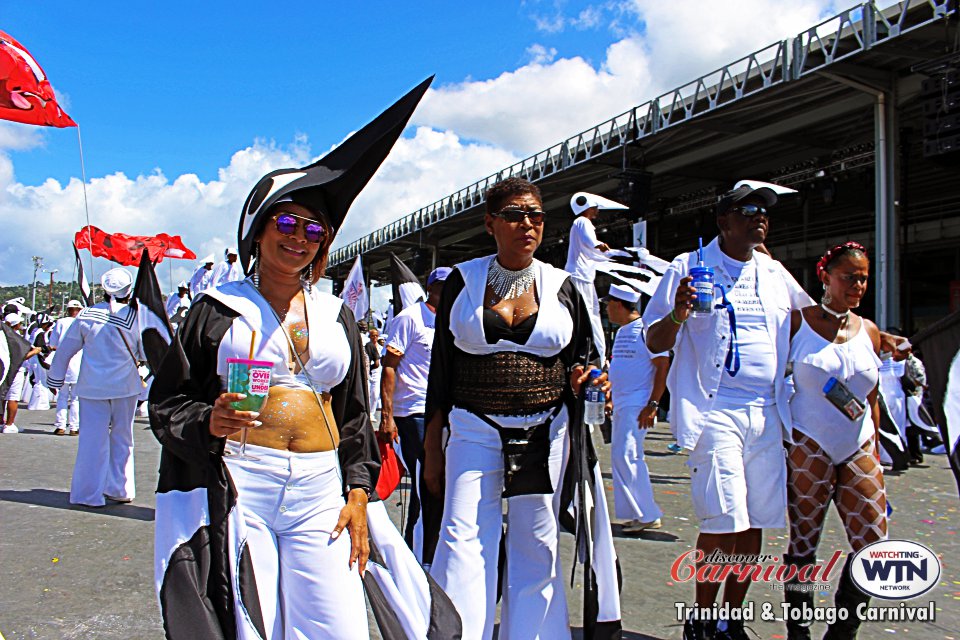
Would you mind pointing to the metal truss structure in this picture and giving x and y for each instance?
(846, 34)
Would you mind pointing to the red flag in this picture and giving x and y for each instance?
(126, 250)
(25, 93)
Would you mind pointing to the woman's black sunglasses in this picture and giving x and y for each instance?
(313, 231)
(515, 214)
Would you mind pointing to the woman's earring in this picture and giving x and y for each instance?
(256, 265)
(827, 298)
(309, 282)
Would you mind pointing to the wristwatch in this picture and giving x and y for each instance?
(654, 404)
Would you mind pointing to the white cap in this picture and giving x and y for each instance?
(626, 294)
(582, 201)
(13, 319)
(118, 282)
(74, 304)
(230, 251)
(183, 285)
(210, 259)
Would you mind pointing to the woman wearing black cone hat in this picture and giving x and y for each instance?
(253, 548)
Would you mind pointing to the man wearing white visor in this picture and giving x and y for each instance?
(202, 277)
(585, 252)
(108, 387)
(729, 402)
(68, 403)
(638, 379)
(227, 271)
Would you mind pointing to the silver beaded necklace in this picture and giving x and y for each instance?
(510, 284)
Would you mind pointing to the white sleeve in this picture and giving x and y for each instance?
(71, 343)
(798, 297)
(401, 333)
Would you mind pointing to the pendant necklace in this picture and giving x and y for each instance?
(510, 284)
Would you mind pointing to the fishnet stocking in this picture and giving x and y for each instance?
(855, 485)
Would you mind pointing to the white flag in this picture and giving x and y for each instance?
(355, 291)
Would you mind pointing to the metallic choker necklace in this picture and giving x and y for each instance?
(509, 284)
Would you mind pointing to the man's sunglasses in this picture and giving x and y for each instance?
(750, 210)
(313, 231)
(515, 214)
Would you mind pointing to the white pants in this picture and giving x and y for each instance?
(632, 491)
(534, 604)
(105, 452)
(374, 388)
(589, 294)
(738, 470)
(290, 503)
(68, 408)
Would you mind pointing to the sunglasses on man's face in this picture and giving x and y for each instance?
(750, 210)
(313, 231)
(516, 215)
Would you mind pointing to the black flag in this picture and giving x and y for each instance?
(12, 350)
(85, 291)
(154, 325)
(406, 287)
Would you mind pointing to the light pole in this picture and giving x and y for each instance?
(50, 292)
(63, 304)
(37, 263)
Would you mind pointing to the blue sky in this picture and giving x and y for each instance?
(181, 90)
(183, 106)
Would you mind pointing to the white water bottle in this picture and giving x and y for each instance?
(594, 401)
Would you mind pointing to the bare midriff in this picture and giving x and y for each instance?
(293, 421)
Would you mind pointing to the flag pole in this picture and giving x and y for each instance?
(86, 207)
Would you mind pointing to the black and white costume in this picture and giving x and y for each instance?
(194, 488)
(470, 338)
(243, 548)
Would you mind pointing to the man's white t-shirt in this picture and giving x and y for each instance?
(411, 335)
(753, 384)
(631, 367)
(583, 255)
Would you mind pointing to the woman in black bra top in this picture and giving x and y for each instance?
(511, 344)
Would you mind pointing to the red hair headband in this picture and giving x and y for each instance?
(836, 251)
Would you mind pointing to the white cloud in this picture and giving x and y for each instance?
(539, 54)
(466, 131)
(664, 45)
(45, 217)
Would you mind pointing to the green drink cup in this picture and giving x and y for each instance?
(251, 378)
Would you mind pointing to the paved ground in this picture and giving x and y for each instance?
(72, 572)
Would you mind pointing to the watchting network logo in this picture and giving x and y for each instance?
(895, 569)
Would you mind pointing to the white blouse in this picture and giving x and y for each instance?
(329, 348)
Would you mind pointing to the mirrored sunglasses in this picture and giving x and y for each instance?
(515, 214)
(313, 231)
(750, 210)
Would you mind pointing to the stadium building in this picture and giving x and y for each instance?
(860, 114)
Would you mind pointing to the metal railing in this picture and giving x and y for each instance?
(847, 33)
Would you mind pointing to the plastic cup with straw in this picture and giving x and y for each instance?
(251, 378)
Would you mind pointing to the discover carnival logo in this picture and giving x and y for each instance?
(895, 569)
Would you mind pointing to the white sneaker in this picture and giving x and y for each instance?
(636, 526)
(10, 428)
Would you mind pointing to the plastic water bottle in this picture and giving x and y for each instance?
(594, 400)
(704, 284)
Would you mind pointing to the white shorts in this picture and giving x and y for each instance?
(16, 387)
(738, 470)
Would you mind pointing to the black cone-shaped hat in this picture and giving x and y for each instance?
(330, 184)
